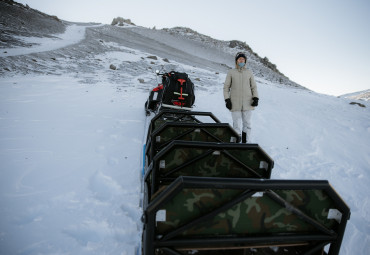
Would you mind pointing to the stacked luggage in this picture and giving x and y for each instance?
(206, 193)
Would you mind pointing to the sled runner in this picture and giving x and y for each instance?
(197, 215)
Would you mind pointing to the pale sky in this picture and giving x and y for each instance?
(323, 45)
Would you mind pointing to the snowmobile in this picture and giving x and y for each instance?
(176, 91)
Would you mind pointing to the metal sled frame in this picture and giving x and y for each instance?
(188, 234)
(168, 115)
(176, 107)
(220, 160)
(153, 146)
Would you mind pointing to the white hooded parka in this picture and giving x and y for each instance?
(240, 87)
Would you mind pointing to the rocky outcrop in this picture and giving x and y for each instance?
(119, 21)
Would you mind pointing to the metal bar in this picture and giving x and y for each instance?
(210, 114)
(316, 248)
(346, 213)
(259, 184)
(198, 121)
(279, 239)
(211, 135)
(170, 251)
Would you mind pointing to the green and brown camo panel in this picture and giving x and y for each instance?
(215, 164)
(160, 121)
(254, 215)
(223, 134)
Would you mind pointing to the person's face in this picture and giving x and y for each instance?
(240, 60)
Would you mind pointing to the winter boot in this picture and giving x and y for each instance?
(244, 137)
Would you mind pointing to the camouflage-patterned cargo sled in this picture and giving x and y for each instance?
(165, 116)
(230, 160)
(202, 132)
(198, 215)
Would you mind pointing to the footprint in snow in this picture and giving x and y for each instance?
(104, 187)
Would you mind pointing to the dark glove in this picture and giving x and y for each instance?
(255, 101)
(228, 103)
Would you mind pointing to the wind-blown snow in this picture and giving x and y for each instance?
(70, 167)
(72, 35)
(71, 155)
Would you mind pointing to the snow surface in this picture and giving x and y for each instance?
(71, 155)
(72, 35)
(360, 95)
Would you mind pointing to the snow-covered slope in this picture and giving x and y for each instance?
(178, 44)
(72, 134)
(361, 95)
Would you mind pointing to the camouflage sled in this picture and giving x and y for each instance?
(198, 215)
(165, 116)
(184, 158)
(202, 132)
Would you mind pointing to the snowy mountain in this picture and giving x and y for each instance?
(72, 128)
(361, 95)
(177, 44)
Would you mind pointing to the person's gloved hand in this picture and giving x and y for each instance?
(228, 103)
(255, 101)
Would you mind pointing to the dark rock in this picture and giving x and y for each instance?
(359, 104)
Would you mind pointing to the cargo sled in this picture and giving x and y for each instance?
(172, 115)
(198, 215)
(204, 159)
(206, 194)
(204, 132)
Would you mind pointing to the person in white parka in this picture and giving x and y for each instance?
(241, 96)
